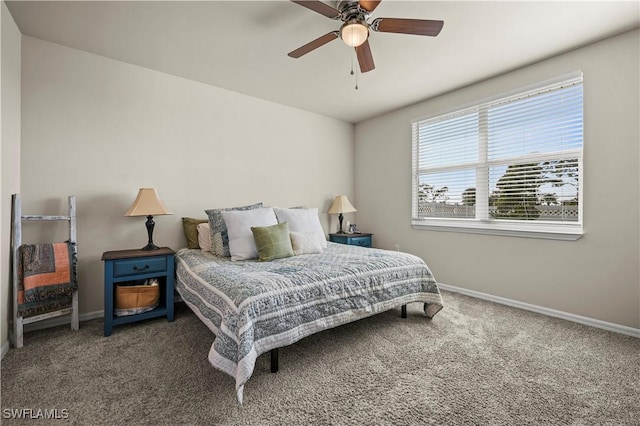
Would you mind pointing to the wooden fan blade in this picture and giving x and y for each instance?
(365, 58)
(369, 5)
(320, 41)
(319, 7)
(407, 26)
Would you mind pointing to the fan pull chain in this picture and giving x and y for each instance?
(356, 73)
(356, 79)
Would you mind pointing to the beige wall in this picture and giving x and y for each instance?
(100, 129)
(596, 276)
(9, 155)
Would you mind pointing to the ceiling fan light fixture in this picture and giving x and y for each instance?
(354, 33)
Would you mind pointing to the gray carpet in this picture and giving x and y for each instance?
(475, 363)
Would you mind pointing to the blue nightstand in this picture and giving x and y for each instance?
(362, 240)
(132, 265)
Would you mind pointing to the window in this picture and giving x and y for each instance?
(511, 165)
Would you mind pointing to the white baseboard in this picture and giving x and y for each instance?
(53, 322)
(623, 329)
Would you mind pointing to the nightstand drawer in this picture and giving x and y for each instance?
(361, 241)
(145, 265)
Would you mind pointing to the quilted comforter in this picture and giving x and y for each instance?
(253, 307)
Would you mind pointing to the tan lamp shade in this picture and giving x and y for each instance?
(341, 204)
(147, 203)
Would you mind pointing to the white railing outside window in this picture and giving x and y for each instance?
(510, 166)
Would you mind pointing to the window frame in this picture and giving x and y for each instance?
(569, 231)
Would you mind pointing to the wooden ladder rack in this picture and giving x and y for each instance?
(16, 241)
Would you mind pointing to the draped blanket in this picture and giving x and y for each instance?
(253, 307)
(46, 277)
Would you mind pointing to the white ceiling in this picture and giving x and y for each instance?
(242, 46)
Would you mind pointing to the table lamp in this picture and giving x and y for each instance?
(148, 204)
(341, 205)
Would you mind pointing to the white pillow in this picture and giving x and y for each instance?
(242, 246)
(304, 243)
(303, 220)
(204, 236)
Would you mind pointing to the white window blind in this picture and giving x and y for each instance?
(511, 165)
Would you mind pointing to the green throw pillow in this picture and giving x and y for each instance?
(189, 226)
(272, 242)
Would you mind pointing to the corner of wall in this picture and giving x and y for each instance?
(10, 138)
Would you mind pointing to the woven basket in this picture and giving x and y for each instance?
(136, 299)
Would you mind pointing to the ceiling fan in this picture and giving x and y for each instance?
(355, 29)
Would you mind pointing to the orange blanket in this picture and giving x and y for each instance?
(47, 277)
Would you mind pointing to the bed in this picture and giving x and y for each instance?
(255, 307)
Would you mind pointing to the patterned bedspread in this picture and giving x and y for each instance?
(253, 307)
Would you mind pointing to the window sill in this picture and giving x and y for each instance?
(507, 229)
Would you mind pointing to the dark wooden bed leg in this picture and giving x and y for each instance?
(403, 311)
(274, 360)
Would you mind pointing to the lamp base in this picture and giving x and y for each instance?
(340, 217)
(150, 224)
